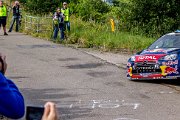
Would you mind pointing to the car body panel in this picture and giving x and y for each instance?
(157, 63)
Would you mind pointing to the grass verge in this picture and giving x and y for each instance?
(91, 35)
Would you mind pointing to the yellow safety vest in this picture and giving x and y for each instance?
(66, 13)
(3, 11)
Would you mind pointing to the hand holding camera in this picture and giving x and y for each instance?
(48, 112)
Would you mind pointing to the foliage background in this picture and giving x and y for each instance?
(147, 17)
(155, 17)
(138, 22)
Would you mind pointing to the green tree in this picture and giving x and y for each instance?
(92, 9)
(41, 6)
(156, 17)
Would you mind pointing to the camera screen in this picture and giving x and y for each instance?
(34, 113)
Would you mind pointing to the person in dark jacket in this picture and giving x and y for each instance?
(11, 101)
(58, 19)
(16, 16)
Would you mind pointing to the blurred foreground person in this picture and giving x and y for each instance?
(11, 100)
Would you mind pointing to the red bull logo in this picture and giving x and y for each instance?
(170, 70)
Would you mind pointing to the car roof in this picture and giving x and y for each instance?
(176, 33)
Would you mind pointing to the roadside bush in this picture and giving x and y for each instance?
(41, 6)
(92, 10)
(155, 17)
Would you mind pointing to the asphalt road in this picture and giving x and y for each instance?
(84, 87)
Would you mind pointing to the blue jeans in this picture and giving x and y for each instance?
(56, 30)
(67, 24)
(14, 18)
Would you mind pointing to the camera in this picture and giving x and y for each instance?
(34, 113)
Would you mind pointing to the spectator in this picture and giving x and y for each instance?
(3, 16)
(66, 11)
(16, 16)
(50, 112)
(58, 19)
(11, 100)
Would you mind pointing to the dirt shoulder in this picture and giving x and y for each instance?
(119, 59)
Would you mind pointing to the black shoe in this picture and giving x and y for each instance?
(5, 33)
(9, 31)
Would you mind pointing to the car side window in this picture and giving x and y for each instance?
(176, 43)
(168, 43)
(159, 44)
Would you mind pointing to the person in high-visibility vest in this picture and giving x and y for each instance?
(66, 11)
(3, 16)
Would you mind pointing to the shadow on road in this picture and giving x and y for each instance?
(37, 46)
(68, 114)
(38, 97)
(175, 82)
(85, 66)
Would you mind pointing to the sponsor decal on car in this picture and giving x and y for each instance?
(148, 57)
(129, 71)
(170, 70)
(170, 62)
(145, 74)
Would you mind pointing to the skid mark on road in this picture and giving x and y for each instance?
(17, 77)
(115, 84)
(176, 88)
(37, 46)
(67, 59)
(125, 119)
(99, 74)
(85, 66)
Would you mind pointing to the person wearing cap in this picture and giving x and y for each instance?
(3, 16)
(11, 100)
(66, 11)
(16, 16)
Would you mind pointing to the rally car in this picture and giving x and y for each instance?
(161, 60)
